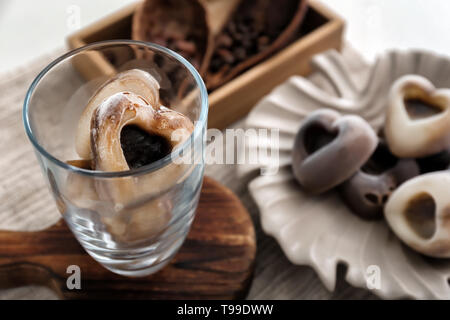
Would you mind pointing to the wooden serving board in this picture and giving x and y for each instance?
(215, 262)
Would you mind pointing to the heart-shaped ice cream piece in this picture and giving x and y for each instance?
(418, 117)
(126, 111)
(368, 190)
(330, 148)
(419, 214)
(134, 80)
(127, 133)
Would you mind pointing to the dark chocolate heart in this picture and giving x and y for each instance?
(368, 190)
(330, 148)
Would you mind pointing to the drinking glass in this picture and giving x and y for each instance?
(138, 236)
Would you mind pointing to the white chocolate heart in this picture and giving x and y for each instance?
(417, 137)
(419, 214)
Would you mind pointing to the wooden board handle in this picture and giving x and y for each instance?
(39, 257)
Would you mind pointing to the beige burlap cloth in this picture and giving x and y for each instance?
(26, 204)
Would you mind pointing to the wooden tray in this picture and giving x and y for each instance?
(321, 30)
(215, 262)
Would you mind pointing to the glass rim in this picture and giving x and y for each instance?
(198, 129)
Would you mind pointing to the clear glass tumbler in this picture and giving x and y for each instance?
(139, 236)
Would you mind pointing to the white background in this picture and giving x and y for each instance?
(29, 29)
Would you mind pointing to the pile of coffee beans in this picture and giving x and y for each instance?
(251, 30)
(179, 39)
(179, 25)
(236, 44)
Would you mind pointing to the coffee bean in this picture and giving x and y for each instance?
(161, 41)
(238, 36)
(263, 40)
(159, 60)
(226, 55)
(242, 28)
(174, 34)
(240, 53)
(247, 42)
(187, 47)
(231, 27)
(216, 63)
(224, 40)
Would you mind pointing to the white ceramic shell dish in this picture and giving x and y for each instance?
(321, 231)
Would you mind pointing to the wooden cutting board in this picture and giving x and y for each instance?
(215, 262)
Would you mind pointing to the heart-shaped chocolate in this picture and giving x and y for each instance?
(417, 118)
(368, 190)
(419, 214)
(330, 148)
